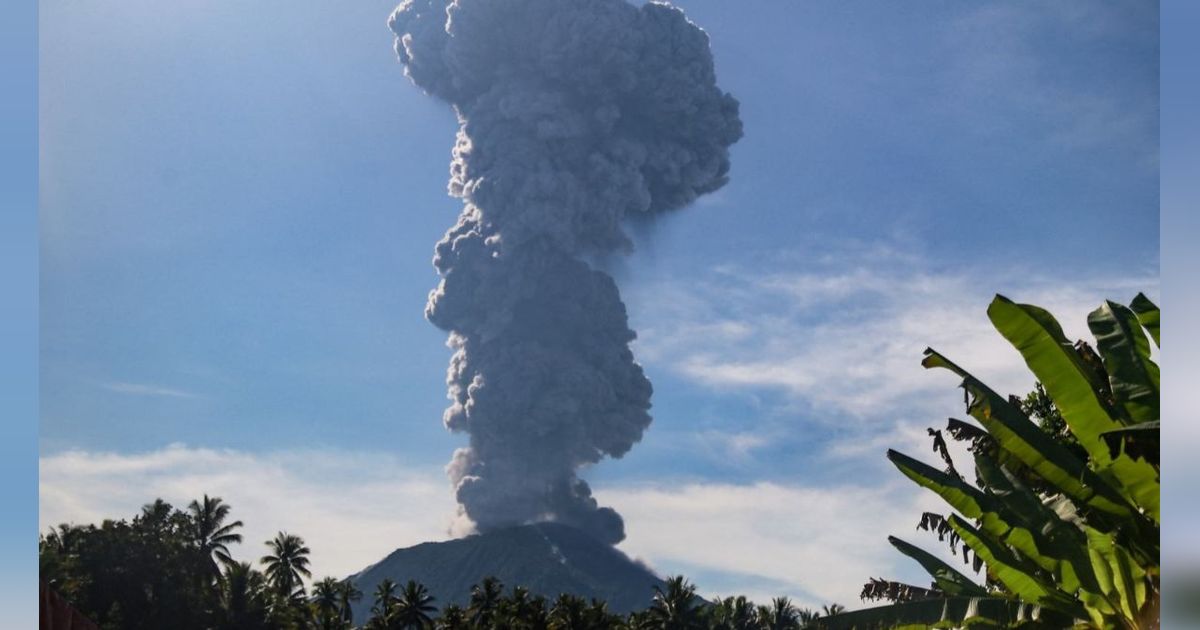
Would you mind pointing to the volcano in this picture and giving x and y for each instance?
(546, 558)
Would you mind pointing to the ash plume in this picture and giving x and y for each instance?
(574, 114)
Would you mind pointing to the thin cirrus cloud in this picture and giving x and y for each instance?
(145, 389)
(848, 338)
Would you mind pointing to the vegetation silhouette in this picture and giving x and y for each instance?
(211, 535)
(157, 571)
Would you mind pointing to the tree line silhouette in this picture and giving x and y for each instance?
(170, 568)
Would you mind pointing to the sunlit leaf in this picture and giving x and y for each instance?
(1017, 576)
(1015, 433)
(1133, 376)
(1147, 313)
(1058, 366)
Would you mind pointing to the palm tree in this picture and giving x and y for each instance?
(518, 602)
(348, 593)
(241, 605)
(58, 559)
(414, 606)
(485, 596)
(806, 616)
(287, 564)
(637, 620)
(452, 618)
(158, 518)
(159, 510)
(599, 616)
(521, 611)
(780, 615)
(734, 613)
(833, 609)
(383, 611)
(210, 533)
(325, 603)
(674, 608)
(569, 613)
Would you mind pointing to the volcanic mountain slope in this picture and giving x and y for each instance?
(546, 558)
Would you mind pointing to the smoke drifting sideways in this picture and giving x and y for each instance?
(574, 114)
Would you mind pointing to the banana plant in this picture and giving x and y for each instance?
(1068, 536)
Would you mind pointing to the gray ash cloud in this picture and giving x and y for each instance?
(574, 115)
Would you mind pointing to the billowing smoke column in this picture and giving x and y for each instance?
(574, 115)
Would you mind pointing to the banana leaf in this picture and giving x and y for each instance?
(1121, 578)
(1020, 531)
(948, 579)
(965, 431)
(949, 612)
(1147, 313)
(1140, 441)
(1140, 481)
(1015, 433)
(961, 495)
(1059, 539)
(1134, 377)
(1016, 575)
(1052, 357)
(1073, 387)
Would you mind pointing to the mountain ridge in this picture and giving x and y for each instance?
(546, 558)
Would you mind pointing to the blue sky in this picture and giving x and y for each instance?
(239, 206)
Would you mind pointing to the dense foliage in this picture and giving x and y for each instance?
(1064, 509)
(168, 568)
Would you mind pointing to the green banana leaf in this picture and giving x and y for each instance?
(1140, 481)
(995, 518)
(1122, 580)
(961, 495)
(1073, 387)
(1016, 575)
(967, 432)
(1062, 541)
(1147, 313)
(949, 612)
(1134, 377)
(1016, 434)
(1053, 359)
(1014, 516)
(1139, 441)
(948, 579)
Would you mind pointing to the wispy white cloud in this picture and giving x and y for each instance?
(727, 449)
(144, 389)
(736, 445)
(351, 507)
(846, 335)
(815, 544)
